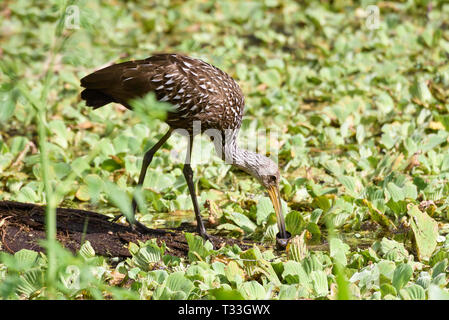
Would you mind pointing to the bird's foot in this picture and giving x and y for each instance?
(138, 226)
(135, 226)
(115, 219)
(207, 237)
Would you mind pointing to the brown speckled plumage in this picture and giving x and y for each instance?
(199, 92)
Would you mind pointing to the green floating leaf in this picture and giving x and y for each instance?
(295, 223)
(158, 275)
(252, 290)
(338, 250)
(224, 293)
(264, 208)
(420, 90)
(178, 282)
(390, 250)
(60, 169)
(444, 119)
(425, 230)
(378, 217)
(437, 293)
(120, 199)
(399, 208)
(175, 287)
(319, 281)
(439, 268)
(31, 282)
(110, 165)
(255, 264)
(87, 251)
(8, 103)
(351, 185)
(27, 194)
(25, 259)
(315, 231)
(234, 273)
(440, 280)
(402, 275)
(386, 270)
(158, 181)
(322, 202)
(424, 279)
(147, 256)
(270, 77)
(82, 193)
(198, 249)
(295, 273)
(413, 292)
(396, 193)
(433, 141)
(79, 165)
(94, 186)
(288, 292)
(312, 263)
(297, 248)
(243, 222)
(367, 278)
(386, 289)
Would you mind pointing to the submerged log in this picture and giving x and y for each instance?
(22, 226)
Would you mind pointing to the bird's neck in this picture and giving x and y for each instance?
(231, 153)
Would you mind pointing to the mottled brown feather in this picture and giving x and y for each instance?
(198, 90)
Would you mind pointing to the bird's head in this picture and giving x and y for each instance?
(266, 171)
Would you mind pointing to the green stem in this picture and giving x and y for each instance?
(50, 211)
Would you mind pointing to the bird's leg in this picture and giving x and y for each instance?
(188, 174)
(148, 157)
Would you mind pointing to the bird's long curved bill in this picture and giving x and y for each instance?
(275, 197)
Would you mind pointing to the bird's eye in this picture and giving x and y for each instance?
(272, 178)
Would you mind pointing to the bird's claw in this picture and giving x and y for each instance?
(207, 237)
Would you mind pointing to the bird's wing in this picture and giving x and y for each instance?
(191, 85)
(122, 81)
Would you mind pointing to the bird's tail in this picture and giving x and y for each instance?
(95, 98)
(95, 84)
(104, 86)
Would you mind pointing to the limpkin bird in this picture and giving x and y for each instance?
(199, 93)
